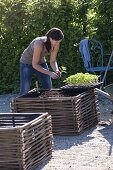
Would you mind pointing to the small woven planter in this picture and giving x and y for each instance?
(71, 115)
(25, 140)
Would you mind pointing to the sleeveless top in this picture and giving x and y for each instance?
(27, 55)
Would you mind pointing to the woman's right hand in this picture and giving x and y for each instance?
(53, 75)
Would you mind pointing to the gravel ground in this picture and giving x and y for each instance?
(5, 102)
(91, 150)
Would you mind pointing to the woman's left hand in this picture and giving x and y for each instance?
(58, 73)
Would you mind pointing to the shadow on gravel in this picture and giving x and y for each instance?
(66, 142)
(41, 166)
(107, 132)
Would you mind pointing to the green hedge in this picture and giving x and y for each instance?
(23, 20)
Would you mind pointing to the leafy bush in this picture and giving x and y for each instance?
(23, 20)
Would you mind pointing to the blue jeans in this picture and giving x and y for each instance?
(26, 72)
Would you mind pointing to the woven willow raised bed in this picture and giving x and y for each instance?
(71, 114)
(25, 140)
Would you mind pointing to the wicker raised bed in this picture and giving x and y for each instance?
(71, 113)
(25, 140)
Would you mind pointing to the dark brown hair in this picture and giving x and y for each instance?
(55, 34)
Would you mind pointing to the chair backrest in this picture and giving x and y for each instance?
(92, 53)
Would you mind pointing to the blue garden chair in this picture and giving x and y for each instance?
(94, 60)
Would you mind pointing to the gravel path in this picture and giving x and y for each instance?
(5, 102)
(92, 150)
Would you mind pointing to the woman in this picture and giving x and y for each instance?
(33, 60)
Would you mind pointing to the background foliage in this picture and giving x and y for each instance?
(23, 20)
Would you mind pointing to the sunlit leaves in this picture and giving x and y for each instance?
(23, 20)
(81, 79)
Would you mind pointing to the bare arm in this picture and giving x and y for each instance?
(53, 61)
(36, 58)
(35, 62)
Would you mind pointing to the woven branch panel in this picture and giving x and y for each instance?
(71, 115)
(25, 140)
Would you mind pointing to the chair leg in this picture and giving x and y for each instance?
(103, 79)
